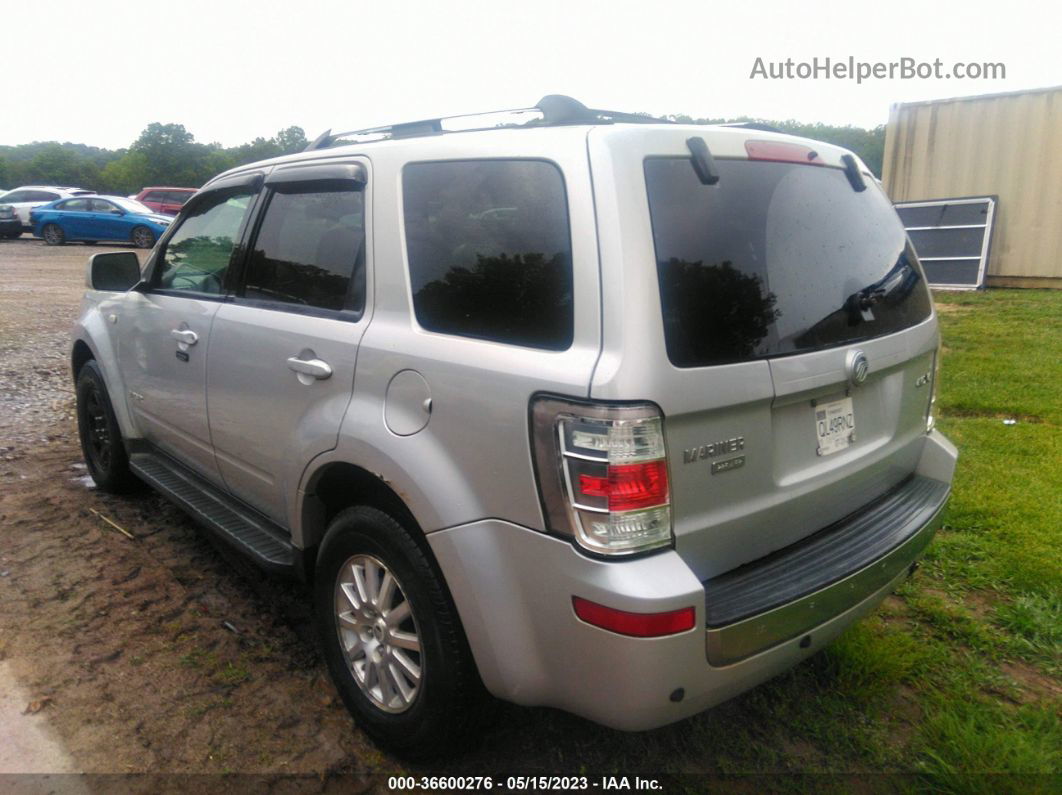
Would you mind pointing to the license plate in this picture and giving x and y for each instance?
(834, 425)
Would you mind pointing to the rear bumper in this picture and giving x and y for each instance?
(513, 588)
(9, 226)
(791, 592)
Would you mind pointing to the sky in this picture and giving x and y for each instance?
(99, 71)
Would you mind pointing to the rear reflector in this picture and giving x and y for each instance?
(782, 152)
(638, 625)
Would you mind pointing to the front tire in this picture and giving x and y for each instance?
(142, 237)
(391, 636)
(53, 235)
(101, 438)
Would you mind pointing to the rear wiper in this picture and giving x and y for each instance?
(703, 162)
(860, 303)
(855, 176)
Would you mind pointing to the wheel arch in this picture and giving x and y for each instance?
(91, 343)
(79, 355)
(337, 485)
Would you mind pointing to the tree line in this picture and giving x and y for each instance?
(168, 154)
(164, 154)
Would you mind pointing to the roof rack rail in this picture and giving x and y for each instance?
(553, 110)
(752, 125)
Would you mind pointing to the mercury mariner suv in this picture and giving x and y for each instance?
(587, 409)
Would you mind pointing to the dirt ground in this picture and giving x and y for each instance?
(151, 654)
(162, 653)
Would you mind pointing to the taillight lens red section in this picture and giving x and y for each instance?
(629, 487)
(638, 625)
(782, 152)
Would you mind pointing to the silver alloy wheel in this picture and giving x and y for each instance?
(142, 237)
(378, 633)
(53, 234)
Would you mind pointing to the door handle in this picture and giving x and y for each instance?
(315, 368)
(187, 336)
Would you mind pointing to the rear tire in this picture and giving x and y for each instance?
(142, 237)
(391, 637)
(53, 235)
(101, 438)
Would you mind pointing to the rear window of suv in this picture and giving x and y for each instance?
(776, 259)
(490, 251)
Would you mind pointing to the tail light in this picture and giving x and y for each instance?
(602, 474)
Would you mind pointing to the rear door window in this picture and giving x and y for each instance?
(310, 249)
(774, 259)
(490, 250)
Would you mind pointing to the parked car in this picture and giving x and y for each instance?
(10, 225)
(602, 413)
(94, 218)
(27, 197)
(168, 201)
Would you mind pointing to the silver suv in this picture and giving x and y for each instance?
(587, 409)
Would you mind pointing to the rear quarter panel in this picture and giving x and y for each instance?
(473, 459)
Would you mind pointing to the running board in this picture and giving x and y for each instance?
(263, 541)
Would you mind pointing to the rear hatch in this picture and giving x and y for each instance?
(792, 344)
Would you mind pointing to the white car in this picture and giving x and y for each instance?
(27, 197)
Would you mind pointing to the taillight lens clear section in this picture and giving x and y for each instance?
(602, 472)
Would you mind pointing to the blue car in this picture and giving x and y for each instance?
(93, 218)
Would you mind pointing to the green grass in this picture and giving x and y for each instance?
(977, 637)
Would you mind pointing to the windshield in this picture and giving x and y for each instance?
(131, 206)
(775, 259)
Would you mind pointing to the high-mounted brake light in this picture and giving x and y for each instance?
(782, 152)
(602, 474)
(639, 625)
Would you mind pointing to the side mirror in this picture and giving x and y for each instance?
(116, 271)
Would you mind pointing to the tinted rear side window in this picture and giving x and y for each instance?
(309, 249)
(774, 259)
(490, 250)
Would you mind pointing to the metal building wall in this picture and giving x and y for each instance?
(1005, 145)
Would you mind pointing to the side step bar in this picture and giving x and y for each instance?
(260, 539)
